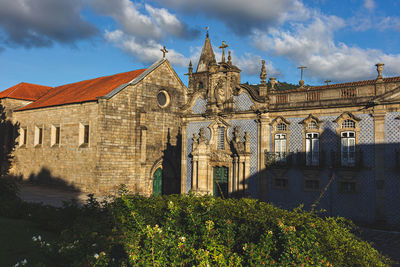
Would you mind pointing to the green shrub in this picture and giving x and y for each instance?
(203, 231)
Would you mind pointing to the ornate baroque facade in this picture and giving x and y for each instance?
(219, 136)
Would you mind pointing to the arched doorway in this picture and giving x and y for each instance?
(157, 182)
(220, 182)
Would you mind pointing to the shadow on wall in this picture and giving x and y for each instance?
(8, 136)
(341, 177)
(171, 166)
(44, 177)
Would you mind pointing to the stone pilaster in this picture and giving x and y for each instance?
(380, 185)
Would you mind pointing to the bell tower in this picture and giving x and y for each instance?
(216, 81)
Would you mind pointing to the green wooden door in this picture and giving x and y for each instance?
(157, 182)
(220, 181)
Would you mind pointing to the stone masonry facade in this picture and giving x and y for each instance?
(335, 146)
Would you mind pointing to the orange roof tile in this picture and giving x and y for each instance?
(84, 91)
(25, 91)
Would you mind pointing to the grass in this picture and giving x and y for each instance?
(16, 240)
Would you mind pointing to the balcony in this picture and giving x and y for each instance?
(276, 159)
(351, 161)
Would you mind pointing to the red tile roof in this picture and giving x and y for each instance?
(25, 91)
(83, 91)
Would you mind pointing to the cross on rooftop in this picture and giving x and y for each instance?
(302, 67)
(327, 82)
(164, 51)
(223, 46)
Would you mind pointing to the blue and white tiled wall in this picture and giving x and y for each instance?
(199, 106)
(392, 140)
(359, 206)
(241, 102)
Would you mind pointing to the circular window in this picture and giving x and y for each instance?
(163, 99)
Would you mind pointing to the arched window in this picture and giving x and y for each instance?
(200, 85)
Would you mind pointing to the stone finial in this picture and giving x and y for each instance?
(229, 57)
(263, 74)
(379, 69)
(190, 69)
(207, 31)
(223, 46)
(301, 82)
(273, 82)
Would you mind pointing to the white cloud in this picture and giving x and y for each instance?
(242, 16)
(313, 45)
(369, 4)
(147, 51)
(155, 25)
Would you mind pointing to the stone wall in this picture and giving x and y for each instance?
(67, 161)
(134, 131)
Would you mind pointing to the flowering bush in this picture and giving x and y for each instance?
(187, 230)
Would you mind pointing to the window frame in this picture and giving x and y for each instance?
(310, 151)
(23, 136)
(341, 129)
(55, 137)
(82, 134)
(38, 138)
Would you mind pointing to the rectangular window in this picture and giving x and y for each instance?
(281, 183)
(312, 149)
(58, 130)
(38, 138)
(347, 187)
(55, 135)
(221, 138)
(311, 185)
(84, 134)
(23, 136)
(348, 149)
(280, 147)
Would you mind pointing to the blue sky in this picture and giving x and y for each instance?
(57, 42)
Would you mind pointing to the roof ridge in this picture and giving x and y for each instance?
(97, 78)
(16, 87)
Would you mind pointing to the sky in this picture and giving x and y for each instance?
(52, 43)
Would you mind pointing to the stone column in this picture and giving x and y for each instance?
(183, 158)
(263, 145)
(379, 170)
(194, 177)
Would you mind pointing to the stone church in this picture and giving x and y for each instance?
(334, 146)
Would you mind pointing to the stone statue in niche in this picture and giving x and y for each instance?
(220, 92)
(202, 138)
(195, 141)
(236, 143)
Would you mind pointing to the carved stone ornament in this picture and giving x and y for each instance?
(220, 92)
(220, 157)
